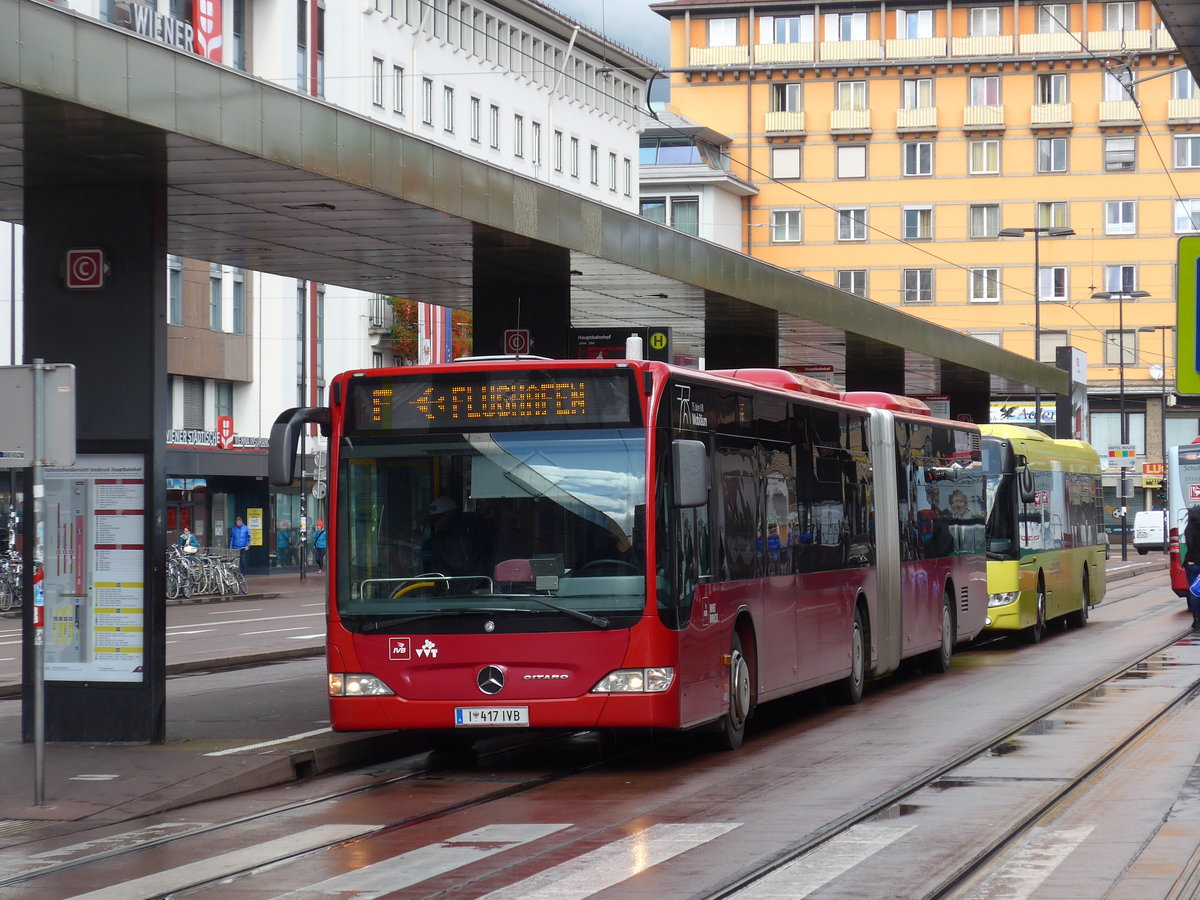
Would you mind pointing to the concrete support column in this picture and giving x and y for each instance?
(879, 368)
(739, 335)
(520, 285)
(116, 338)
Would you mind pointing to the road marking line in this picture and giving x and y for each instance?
(818, 867)
(225, 864)
(613, 863)
(386, 876)
(199, 631)
(274, 743)
(257, 619)
(273, 631)
(305, 637)
(1037, 859)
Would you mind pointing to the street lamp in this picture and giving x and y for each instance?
(1121, 297)
(1037, 232)
(1162, 422)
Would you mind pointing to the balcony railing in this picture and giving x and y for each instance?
(768, 54)
(719, 56)
(783, 122)
(1050, 114)
(983, 116)
(921, 118)
(1118, 111)
(1183, 110)
(982, 45)
(843, 51)
(1130, 39)
(850, 120)
(916, 48)
(1163, 39)
(1059, 42)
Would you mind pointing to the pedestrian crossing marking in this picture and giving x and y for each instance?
(820, 866)
(1032, 864)
(613, 863)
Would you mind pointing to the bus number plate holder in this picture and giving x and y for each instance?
(491, 716)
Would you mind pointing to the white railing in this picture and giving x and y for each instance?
(1059, 42)
(719, 56)
(1050, 114)
(843, 51)
(1183, 109)
(850, 120)
(922, 117)
(916, 48)
(984, 115)
(1131, 39)
(783, 122)
(982, 45)
(768, 54)
(1118, 111)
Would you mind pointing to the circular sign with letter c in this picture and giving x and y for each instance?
(516, 340)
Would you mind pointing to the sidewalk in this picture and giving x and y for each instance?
(265, 730)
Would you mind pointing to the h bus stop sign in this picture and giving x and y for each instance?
(17, 414)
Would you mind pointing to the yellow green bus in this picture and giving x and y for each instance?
(1045, 530)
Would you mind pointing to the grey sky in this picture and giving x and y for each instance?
(628, 22)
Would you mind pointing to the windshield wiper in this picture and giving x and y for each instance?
(598, 621)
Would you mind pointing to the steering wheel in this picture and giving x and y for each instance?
(598, 563)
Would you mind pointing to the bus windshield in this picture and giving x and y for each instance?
(516, 525)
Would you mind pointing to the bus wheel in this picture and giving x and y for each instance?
(1037, 630)
(731, 729)
(938, 661)
(850, 691)
(1079, 618)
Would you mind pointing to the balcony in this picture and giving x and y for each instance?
(984, 116)
(783, 122)
(774, 54)
(1059, 42)
(1130, 39)
(719, 56)
(921, 119)
(850, 120)
(982, 45)
(1183, 110)
(1050, 114)
(1114, 112)
(1163, 39)
(850, 51)
(916, 48)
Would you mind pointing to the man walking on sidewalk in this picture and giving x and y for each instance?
(239, 539)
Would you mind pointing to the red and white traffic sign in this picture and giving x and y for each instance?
(517, 340)
(85, 270)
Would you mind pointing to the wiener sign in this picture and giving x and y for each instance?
(202, 36)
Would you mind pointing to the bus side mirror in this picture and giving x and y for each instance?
(689, 471)
(1025, 485)
(285, 436)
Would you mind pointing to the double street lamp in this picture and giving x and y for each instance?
(1037, 232)
(1121, 297)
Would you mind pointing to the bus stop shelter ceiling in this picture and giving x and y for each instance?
(263, 178)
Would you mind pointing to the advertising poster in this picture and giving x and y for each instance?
(95, 549)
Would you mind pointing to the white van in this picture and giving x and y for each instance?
(1148, 531)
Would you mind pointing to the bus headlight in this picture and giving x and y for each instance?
(348, 684)
(654, 680)
(1003, 599)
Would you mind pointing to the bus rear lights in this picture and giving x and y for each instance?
(654, 680)
(1003, 599)
(344, 684)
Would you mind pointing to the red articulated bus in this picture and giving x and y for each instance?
(628, 544)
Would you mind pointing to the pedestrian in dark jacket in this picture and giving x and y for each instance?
(1191, 561)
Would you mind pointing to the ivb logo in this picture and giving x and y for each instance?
(399, 648)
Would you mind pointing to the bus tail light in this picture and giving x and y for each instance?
(348, 684)
(653, 680)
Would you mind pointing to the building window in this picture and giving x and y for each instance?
(519, 136)
(1119, 16)
(917, 93)
(1120, 279)
(612, 172)
(1052, 214)
(918, 158)
(985, 285)
(377, 81)
(914, 24)
(985, 90)
(1120, 216)
(918, 286)
(1052, 87)
(1183, 85)
(988, 337)
(216, 312)
(846, 26)
(1048, 344)
(535, 137)
(852, 161)
(1187, 151)
(223, 398)
(681, 213)
(494, 127)
(448, 108)
(722, 32)
(851, 95)
(785, 98)
(193, 403)
(594, 164)
(1052, 283)
(1052, 154)
(558, 151)
(239, 301)
(1187, 216)
(918, 223)
(1118, 85)
(473, 108)
(398, 90)
(574, 157)
(984, 157)
(785, 163)
(1052, 18)
(174, 290)
(853, 281)
(1119, 154)
(785, 29)
(852, 224)
(785, 226)
(1118, 344)
(627, 167)
(985, 220)
(983, 21)
(427, 101)
(301, 47)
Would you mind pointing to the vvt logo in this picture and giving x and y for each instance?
(429, 648)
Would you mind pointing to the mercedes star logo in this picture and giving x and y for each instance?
(490, 680)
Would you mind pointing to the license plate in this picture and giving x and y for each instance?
(496, 716)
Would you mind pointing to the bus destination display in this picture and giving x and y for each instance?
(489, 400)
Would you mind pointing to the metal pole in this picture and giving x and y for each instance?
(308, 285)
(39, 603)
(1124, 423)
(1037, 325)
(1162, 440)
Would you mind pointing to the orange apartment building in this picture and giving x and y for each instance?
(893, 146)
